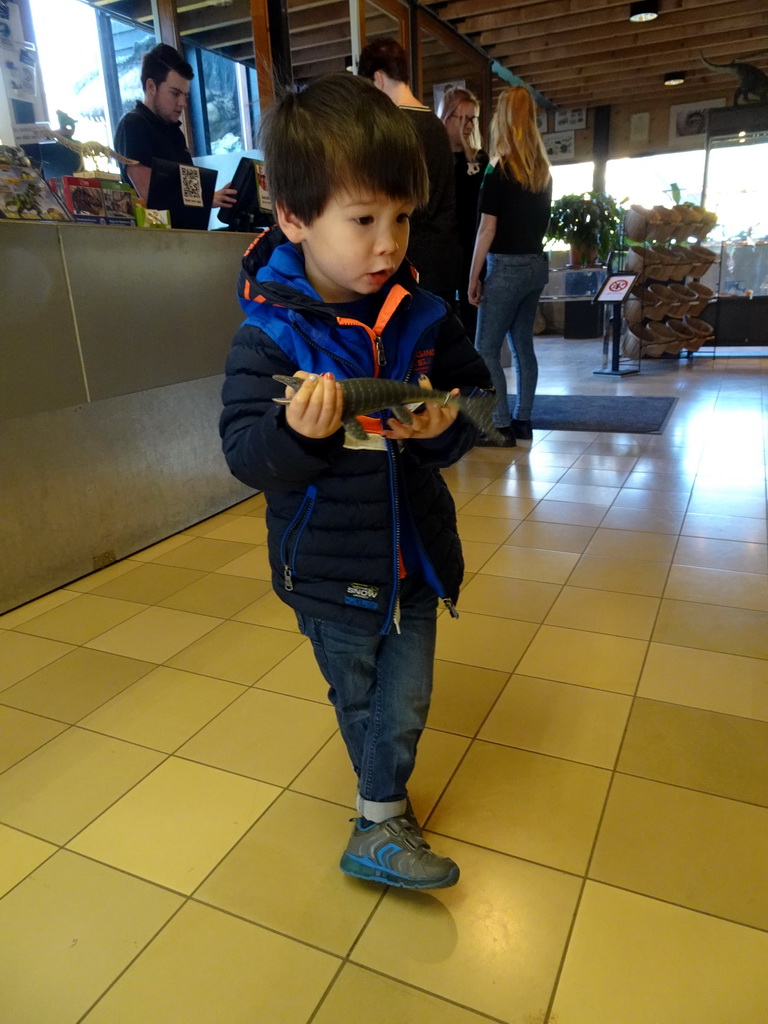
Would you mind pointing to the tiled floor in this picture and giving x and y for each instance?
(174, 795)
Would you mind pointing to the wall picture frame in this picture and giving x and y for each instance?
(575, 118)
(688, 122)
(559, 146)
(541, 121)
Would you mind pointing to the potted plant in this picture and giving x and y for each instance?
(589, 223)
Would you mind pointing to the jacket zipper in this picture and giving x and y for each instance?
(394, 608)
(288, 551)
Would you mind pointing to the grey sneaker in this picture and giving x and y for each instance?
(394, 852)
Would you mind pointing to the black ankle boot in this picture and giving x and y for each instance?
(523, 429)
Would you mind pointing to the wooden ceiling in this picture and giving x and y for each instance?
(574, 52)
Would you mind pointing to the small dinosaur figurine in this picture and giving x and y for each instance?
(753, 81)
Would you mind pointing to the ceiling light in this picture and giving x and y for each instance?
(674, 78)
(644, 10)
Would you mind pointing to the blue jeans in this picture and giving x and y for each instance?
(511, 293)
(380, 687)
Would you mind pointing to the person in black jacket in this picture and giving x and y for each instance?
(361, 532)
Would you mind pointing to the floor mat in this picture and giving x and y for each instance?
(610, 413)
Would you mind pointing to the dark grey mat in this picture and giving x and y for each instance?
(611, 413)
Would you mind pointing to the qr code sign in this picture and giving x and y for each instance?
(191, 192)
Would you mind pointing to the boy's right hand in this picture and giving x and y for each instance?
(315, 410)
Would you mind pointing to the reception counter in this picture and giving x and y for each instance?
(112, 346)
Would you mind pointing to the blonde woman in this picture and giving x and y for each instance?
(460, 113)
(515, 199)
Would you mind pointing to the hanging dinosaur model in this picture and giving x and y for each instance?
(753, 81)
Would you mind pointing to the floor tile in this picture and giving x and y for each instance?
(67, 931)
(386, 1000)
(485, 528)
(499, 506)
(20, 854)
(476, 554)
(254, 506)
(31, 610)
(297, 675)
(514, 486)
(673, 501)
(575, 512)
(726, 528)
(706, 679)
(712, 753)
(148, 554)
(432, 940)
(588, 659)
(643, 520)
(586, 493)
(290, 875)
(97, 579)
(267, 609)
(237, 651)
(531, 564)
(22, 733)
(713, 628)
(155, 634)
(266, 736)
(22, 655)
(566, 721)
(207, 966)
(254, 564)
(652, 547)
(204, 553)
(508, 597)
(635, 960)
(177, 824)
(462, 695)
(74, 685)
(552, 536)
(540, 808)
(84, 774)
(163, 709)
(483, 640)
(722, 554)
(148, 583)
(218, 595)
(658, 840)
(246, 529)
(604, 612)
(82, 619)
(719, 504)
(206, 526)
(718, 586)
(621, 575)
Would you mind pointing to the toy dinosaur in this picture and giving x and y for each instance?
(753, 81)
(91, 150)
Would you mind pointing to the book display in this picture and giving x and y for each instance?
(24, 195)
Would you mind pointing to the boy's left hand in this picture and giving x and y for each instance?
(434, 421)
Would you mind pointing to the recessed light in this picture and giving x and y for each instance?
(674, 78)
(644, 10)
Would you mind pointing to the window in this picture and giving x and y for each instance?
(651, 180)
(572, 179)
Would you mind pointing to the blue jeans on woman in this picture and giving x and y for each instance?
(380, 687)
(511, 293)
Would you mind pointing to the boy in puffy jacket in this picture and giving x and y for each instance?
(361, 533)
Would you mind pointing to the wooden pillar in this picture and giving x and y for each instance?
(601, 138)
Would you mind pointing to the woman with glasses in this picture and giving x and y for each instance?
(515, 199)
(459, 112)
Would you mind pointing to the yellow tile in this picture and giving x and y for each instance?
(700, 750)
(643, 520)
(593, 476)
(635, 960)
(519, 487)
(725, 527)
(674, 501)
(20, 854)
(713, 628)
(155, 634)
(246, 529)
(267, 610)
(719, 504)
(650, 547)
(82, 619)
(493, 942)
(177, 824)
(21, 733)
(528, 805)
(163, 709)
(477, 553)
(216, 594)
(590, 495)
(264, 735)
(237, 651)
(297, 675)
(718, 586)
(255, 505)
(506, 596)
(96, 579)
(615, 462)
(566, 721)
(499, 506)
(553, 536)
(575, 512)
(483, 640)
(589, 659)
(254, 564)
(76, 684)
(621, 575)
(148, 583)
(604, 612)
(531, 564)
(208, 966)
(291, 874)
(34, 608)
(485, 528)
(707, 680)
(722, 554)
(539, 457)
(329, 774)
(209, 525)
(21, 655)
(204, 553)
(702, 852)
(148, 554)
(56, 791)
(462, 696)
(67, 932)
(386, 1000)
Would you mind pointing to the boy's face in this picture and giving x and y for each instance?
(354, 246)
